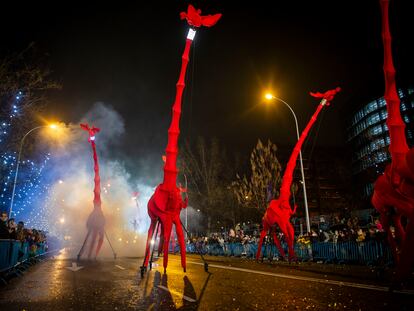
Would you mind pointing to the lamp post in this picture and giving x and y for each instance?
(269, 96)
(52, 126)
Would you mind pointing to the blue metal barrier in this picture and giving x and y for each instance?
(4, 254)
(13, 252)
(368, 252)
(24, 251)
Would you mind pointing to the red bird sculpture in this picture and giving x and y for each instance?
(328, 95)
(92, 131)
(195, 19)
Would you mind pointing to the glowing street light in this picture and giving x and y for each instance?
(51, 126)
(62, 220)
(269, 97)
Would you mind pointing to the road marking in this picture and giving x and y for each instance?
(310, 279)
(120, 267)
(176, 293)
(74, 267)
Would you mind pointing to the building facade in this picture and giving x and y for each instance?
(368, 139)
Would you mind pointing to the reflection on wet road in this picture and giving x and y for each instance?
(230, 284)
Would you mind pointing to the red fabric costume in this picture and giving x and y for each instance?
(96, 220)
(166, 203)
(279, 210)
(393, 195)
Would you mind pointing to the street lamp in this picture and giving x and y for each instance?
(269, 97)
(52, 126)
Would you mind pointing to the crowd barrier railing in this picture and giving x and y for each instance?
(14, 252)
(370, 252)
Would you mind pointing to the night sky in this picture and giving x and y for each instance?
(128, 55)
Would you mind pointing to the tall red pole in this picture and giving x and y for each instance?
(288, 175)
(96, 220)
(97, 179)
(170, 167)
(398, 145)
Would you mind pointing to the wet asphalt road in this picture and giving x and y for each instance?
(231, 284)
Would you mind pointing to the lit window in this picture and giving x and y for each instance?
(371, 107)
(384, 114)
(375, 118)
(381, 102)
(376, 130)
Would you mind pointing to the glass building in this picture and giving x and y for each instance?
(368, 137)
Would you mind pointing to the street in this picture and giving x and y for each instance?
(231, 284)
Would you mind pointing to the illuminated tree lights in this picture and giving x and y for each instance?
(31, 186)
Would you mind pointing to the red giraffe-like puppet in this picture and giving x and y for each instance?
(96, 220)
(393, 195)
(166, 203)
(279, 210)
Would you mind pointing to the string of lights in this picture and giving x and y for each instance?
(31, 187)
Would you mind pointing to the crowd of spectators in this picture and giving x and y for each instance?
(346, 229)
(336, 231)
(12, 231)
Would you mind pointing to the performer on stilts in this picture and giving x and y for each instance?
(279, 210)
(166, 203)
(96, 220)
(393, 195)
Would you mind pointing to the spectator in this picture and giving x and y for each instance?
(237, 227)
(20, 231)
(335, 236)
(371, 233)
(378, 225)
(360, 235)
(4, 230)
(324, 236)
(222, 245)
(314, 236)
(11, 225)
(245, 227)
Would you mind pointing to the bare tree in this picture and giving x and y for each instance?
(264, 182)
(25, 77)
(206, 166)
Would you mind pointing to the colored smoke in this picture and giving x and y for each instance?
(71, 176)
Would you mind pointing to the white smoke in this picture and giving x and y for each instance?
(71, 194)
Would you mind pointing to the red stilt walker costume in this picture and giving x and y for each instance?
(96, 220)
(393, 195)
(166, 203)
(279, 210)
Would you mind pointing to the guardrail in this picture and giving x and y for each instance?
(368, 253)
(14, 253)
